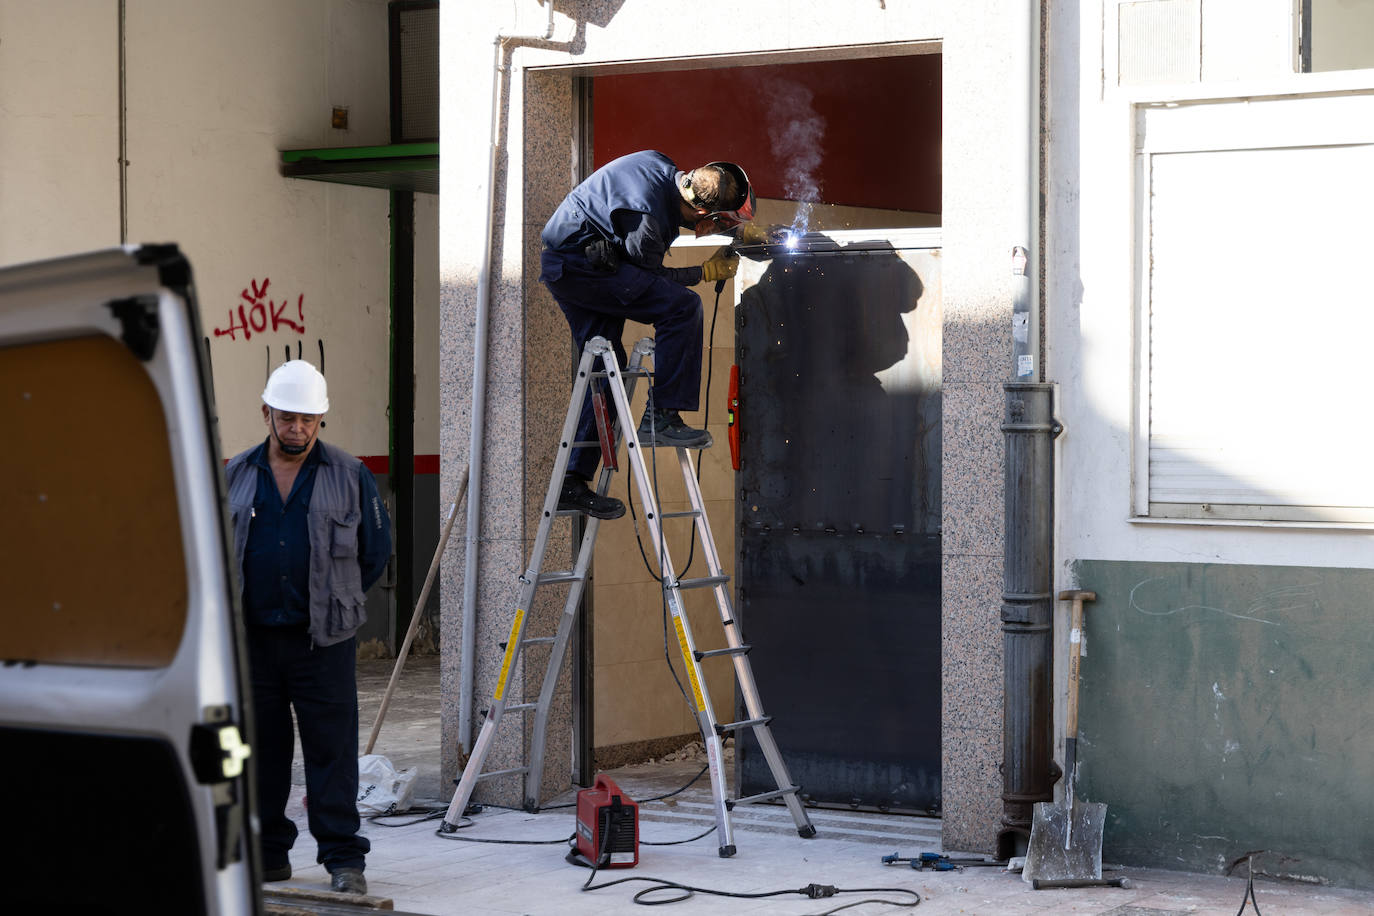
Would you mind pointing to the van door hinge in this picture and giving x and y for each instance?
(218, 753)
(217, 750)
(138, 316)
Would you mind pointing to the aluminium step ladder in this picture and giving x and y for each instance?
(610, 427)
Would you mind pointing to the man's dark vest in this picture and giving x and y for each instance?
(337, 603)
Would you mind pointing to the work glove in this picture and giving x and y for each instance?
(750, 234)
(720, 266)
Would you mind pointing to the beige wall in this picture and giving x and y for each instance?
(215, 91)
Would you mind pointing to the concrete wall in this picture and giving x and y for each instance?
(535, 168)
(215, 91)
(282, 266)
(1218, 693)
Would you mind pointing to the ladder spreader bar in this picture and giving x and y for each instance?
(722, 728)
(703, 582)
(712, 653)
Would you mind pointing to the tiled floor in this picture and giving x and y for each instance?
(426, 873)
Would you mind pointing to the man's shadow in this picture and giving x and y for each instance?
(840, 404)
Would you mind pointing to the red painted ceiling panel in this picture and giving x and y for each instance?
(855, 132)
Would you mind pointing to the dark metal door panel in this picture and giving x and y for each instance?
(839, 512)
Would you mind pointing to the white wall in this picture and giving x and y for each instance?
(59, 133)
(1091, 300)
(215, 91)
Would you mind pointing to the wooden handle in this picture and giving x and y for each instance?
(1075, 645)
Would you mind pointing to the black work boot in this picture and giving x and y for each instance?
(578, 497)
(665, 429)
(348, 881)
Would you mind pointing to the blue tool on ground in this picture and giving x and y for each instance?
(936, 861)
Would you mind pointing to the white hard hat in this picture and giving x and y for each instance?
(297, 387)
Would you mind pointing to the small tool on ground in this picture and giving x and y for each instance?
(938, 861)
(1066, 839)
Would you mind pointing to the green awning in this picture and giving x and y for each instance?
(397, 167)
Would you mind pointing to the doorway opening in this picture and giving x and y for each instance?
(830, 524)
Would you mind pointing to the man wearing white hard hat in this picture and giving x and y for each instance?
(310, 537)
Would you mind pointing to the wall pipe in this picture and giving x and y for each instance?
(481, 320)
(1029, 428)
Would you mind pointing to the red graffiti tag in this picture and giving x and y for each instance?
(260, 313)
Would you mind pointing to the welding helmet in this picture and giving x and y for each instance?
(296, 387)
(730, 213)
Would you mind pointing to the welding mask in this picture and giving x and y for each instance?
(722, 220)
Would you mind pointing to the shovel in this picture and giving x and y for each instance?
(1066, 840)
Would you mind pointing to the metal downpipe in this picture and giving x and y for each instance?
(1029, 428)
(481, 320)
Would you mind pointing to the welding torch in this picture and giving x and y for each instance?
(755, 243)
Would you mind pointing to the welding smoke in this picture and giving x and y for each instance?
(795, 132)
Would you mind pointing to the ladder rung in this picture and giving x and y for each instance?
(539, 640)
(703, 582)
(732, 650)
(730, 803)
(589, 443)
(690, 513)
(627, 371)
(556, 577)
(747, 723)
(521, 707)
(494, 773)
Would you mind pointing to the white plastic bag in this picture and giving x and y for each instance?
(382, 789)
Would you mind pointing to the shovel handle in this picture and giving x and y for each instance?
(1075, 645)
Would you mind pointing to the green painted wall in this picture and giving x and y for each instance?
(1226, 709)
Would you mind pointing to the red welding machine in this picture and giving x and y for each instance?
(607, 826)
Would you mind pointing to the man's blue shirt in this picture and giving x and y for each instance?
(276, 559)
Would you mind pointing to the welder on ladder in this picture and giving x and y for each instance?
(603, 262)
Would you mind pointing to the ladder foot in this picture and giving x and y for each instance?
(446, 827)
(806, 832)
(727, 851)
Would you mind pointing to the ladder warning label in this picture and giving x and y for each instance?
(687, 662)
(510, 652)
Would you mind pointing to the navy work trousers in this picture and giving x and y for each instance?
(319, 682)
(597, 304)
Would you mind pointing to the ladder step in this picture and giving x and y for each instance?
(747, 723)
(703, 582)
(690, 513)
(557, 577)
(732, 650)
(494, 773)
(730, 803)
(540, 640)
(521, 707)
(627, 372)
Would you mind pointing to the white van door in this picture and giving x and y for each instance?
(124, 767)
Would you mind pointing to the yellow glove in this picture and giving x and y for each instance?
(720, 266)
(749, 234)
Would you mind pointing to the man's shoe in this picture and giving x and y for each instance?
(277, 874)
(665, 429)
(576, 496)
(348, 881)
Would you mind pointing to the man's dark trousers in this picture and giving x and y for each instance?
(597, 304)
(319, 682)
